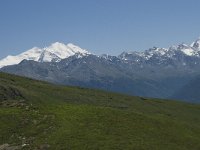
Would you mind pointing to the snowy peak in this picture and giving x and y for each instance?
(32, 54)
(58, 51)
(183, 46)
(196, 44)
(54, 53)
(157, 51)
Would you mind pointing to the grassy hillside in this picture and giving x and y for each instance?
(37, 115)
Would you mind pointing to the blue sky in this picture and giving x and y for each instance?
(101, 26)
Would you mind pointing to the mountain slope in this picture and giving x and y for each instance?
(38, 115)
(190, 91)
(110, 74)
(53, 53)
(93, 72)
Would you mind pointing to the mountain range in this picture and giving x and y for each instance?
(156, 72)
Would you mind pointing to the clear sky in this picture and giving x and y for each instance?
(101, 26)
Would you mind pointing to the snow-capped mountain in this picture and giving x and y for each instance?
(196, 44)
(54, 53)
(192, 50)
